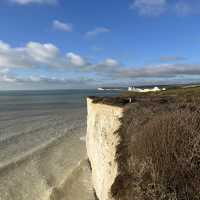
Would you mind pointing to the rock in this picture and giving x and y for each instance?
(102, 123)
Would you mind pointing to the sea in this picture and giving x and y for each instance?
(42, 145)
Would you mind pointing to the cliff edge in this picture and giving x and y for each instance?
(101, 141)
(145, 146)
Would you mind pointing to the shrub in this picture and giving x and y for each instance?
(166, 156)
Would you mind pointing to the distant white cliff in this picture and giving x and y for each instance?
(155, 89)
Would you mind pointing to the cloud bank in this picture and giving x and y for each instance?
(34, 55)
(159, 7)
(162, 71)
(149, 7)
(171, 58)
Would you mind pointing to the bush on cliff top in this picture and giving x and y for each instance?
(159, 155)
(167, 156)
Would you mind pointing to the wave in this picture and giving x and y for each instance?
(36, 173)
(78, 185)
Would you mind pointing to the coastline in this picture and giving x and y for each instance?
(47, 169)
(146, 148)
(42, 143)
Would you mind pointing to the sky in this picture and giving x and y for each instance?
(76, 44)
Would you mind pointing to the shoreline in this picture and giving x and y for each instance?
(47, 168)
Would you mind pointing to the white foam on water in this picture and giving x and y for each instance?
(39, 172)
(38, 156)
(76, 186)
(42, 146)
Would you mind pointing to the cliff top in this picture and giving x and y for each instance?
(115, 101)
(159, 141)
(168, 96)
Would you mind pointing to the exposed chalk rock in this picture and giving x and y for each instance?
(101, 141)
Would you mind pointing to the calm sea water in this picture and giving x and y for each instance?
(42, 147)
(57, 99)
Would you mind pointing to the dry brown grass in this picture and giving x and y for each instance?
(159, 153)
(168, 148)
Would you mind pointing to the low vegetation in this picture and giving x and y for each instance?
(159, 155)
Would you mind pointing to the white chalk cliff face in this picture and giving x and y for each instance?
(101, 141)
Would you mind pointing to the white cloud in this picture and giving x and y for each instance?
(58, 25)
(111, 62)
(41, 52)
(108, 67)
(43, 82)
(97, 31)
(4, 75)
(4, 46)
(4, 70)
(161, 71)
(25, 2)
(35, 54)
(13, 57)
(76, 59)
(150, 7)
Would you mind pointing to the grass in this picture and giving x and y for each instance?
(169, 155)
(177, 94)
(159, 152)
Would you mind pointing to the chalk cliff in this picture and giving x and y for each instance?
(118, 144)
(102, 123)
(140, 147)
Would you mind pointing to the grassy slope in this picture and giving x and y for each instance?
(170, 95)
(159, 153)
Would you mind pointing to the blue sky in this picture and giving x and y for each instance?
(52, 44)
